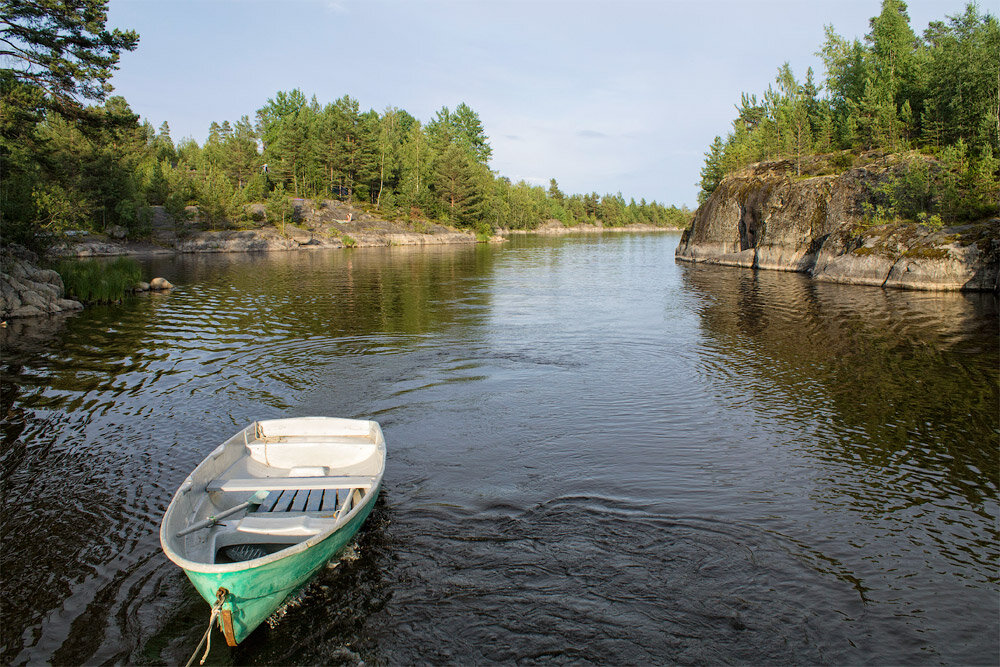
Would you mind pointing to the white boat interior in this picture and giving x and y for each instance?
(274, 485)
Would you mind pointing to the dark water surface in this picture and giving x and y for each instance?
(595, 455)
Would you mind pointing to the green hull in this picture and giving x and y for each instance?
(255, 593)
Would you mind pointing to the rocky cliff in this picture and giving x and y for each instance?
(766, 217)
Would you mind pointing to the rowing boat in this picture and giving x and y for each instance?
(268, 508)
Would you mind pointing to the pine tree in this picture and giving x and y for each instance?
(470, 133)
(62, 49)
(458, 184)
(711, 173)
(894, 54)
(279, 208)
(241, 153)
(348, 140)
(389, 140)
(56, 56)
(554, 191)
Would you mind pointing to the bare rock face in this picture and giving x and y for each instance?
(235, 241)
(767, 218)
(29, 291)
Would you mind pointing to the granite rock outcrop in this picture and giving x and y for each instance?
(768, 217)
(26, 290)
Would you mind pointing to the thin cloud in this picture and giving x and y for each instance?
(336, 6)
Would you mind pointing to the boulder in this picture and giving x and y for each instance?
(69, 304)
(160, 284)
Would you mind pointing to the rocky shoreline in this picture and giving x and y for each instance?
(328, 224)
(765, 217)
(29, 291)
(314, 225)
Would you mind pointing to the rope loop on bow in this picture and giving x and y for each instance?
(220, 598)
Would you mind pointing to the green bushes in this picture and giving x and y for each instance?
(890, 93)
(954, 187)
(91, 281)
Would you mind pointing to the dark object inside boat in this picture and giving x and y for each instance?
(237, 553)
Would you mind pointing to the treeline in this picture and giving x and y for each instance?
(66, 166)
(389, 161)
(894, 92)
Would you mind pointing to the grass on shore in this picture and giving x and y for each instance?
(92, 281)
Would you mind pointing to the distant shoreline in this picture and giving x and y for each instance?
(365, 231)
(558, 229)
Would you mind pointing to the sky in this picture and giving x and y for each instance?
(613, 96)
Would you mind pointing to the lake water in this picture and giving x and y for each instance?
(596, 454)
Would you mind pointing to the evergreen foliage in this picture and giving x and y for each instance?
(61, 49)
(894, 92)
(97, 168)
(59, 54)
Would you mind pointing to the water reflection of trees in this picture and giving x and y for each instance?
(898, 381)
(401, 290)
(240, 316)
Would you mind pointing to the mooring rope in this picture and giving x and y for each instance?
(220, 597)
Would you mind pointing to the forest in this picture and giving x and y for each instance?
(932, 101)
(73, 166)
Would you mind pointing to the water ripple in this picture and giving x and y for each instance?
(596, 455)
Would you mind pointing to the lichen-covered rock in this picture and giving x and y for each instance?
(97, 249)
(767, 218)
(27, 290)
(951, 266)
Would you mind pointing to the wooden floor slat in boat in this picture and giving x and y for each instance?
(299, 502)
(270, 501)
(314, 500)
(329, 500)
(303, 500)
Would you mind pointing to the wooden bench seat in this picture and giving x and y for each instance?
(291, 483)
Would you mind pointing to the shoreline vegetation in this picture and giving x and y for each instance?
(72, 169)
